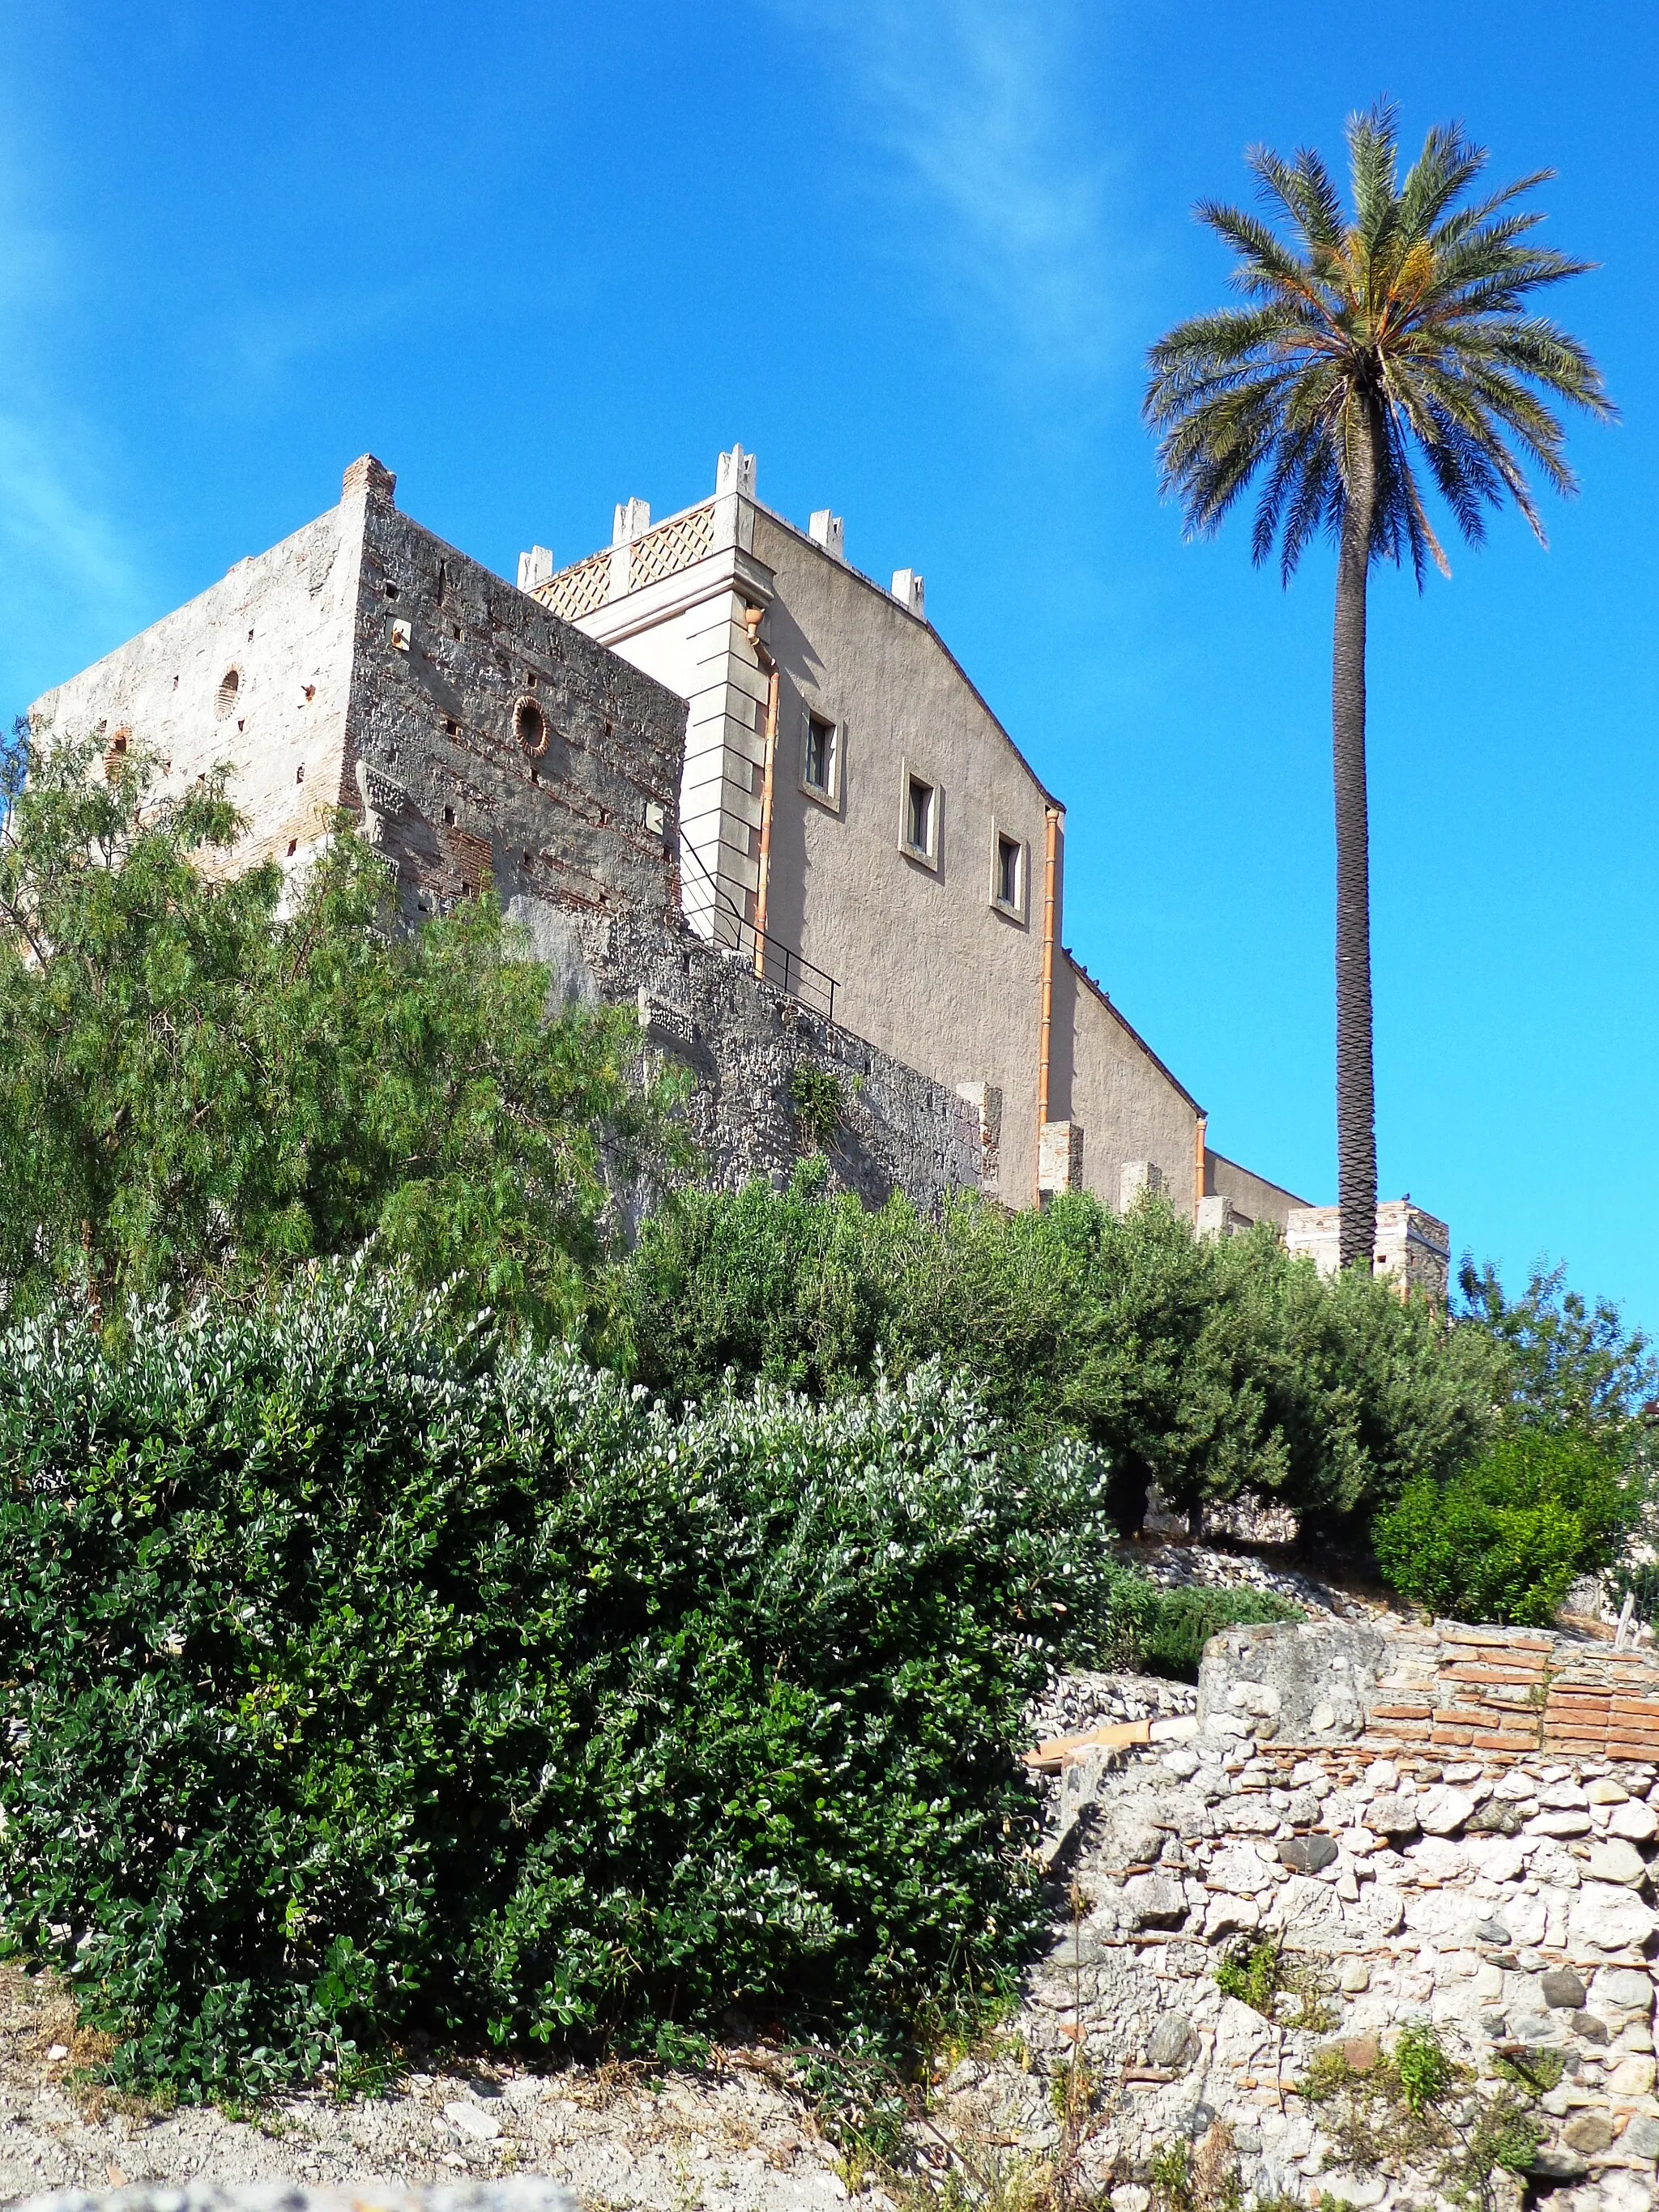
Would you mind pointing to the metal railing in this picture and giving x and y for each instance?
(773, 961)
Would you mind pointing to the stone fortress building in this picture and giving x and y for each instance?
(855, 820)
(717, 772)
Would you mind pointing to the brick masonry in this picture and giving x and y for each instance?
(1453, 1689)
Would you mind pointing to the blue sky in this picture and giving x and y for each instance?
(543, 256)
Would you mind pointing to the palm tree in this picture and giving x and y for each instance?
(1401, 333)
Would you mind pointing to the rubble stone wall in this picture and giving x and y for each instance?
(741, 1041)
(494, 735)
(1502, 1893)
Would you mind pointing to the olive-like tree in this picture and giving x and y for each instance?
(1402, 332)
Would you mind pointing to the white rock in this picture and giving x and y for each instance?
(1260, 1698)
(1222, 1729)
(1617, 1861)
(1611, 1917)
(1353, 1978)
(1250, 1815)
(469, 2120)
(1631, 2076)
(1435, 1857)
(1382, 1774)
(1552, 1862)
(1634, 1822)
(1622, 1988)
(1515, 1787)
(1388, 1909)
(1241, 2034)
(1525, 1918)
(1130, 2196)
(1441, 1811)
(1358, 1842)
(1308, 1905)
(1155, 1899)
(1498, 1858)
(1177, 1728)
(1440, 1916)
(1357, 2189)
(1604, 1790)
(1561, 1794)
(1225, 1914)
(1241, 1868)
(1568, 1822)
(1182, 1764)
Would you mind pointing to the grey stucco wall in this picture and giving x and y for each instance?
(1253, 1194)
(1104, 1077)
(925, 964)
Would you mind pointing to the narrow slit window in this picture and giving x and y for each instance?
(819, 772)
(919, 817)
(1010, 889)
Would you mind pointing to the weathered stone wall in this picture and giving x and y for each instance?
(494, 737)
(473, 731)
(1504, 1895)
(742, 1040)
(254, 674)
(1448, 1688)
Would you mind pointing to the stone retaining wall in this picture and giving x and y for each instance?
(1502, 1894)
(1495, 1692)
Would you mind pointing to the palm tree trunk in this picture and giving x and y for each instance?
(1356, 1100)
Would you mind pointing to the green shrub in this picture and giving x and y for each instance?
(358, 1684)
(208, 1087)
(1502, 1540)
(1155, 1631)
(1206, 1368)
(819, 1103)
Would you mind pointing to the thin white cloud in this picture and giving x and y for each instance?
(47, 524)
(266, 343)
(1001, 190)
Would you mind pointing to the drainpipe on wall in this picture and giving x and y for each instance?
(1050, 865)
(1199, 1139)
(751, 623)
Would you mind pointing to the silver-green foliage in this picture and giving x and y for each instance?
(359, 1681)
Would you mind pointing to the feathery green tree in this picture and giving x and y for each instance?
(210, 1078)
(1401, 333)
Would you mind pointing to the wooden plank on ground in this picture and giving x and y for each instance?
(1059, 1751)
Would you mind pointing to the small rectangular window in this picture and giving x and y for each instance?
(919, 817)
(1009, 889)
(819, 769)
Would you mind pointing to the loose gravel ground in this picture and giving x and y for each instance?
(731, 2138)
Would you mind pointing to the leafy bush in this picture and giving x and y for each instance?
(1208, 1367)
(1502, 1541)
(1566, 1364)
(1155, 1631)
(356, 1684)
(203, 1088)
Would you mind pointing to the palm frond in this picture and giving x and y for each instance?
(1406, 321)
(1373, 171)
